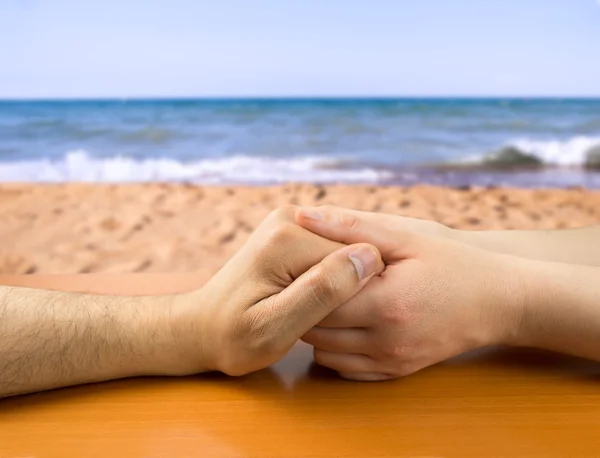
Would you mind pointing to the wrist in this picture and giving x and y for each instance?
(188, 329)
(148, 321)
(546, 285)
(516, 298)
(168, 335)
(505, 295)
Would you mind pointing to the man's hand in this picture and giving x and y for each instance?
(281, 283)
(436, 299)
(278, 286)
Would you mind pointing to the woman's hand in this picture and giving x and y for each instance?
(436, 299)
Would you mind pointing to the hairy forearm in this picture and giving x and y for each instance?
(50, 339)
(574, 246)
(561, 308)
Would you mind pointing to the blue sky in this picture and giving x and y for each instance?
(138, 48)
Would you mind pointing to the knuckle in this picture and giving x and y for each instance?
(323, 287)
(272, 255)
(350, 222)
(388, 348)
(283, 213)
(283, 233)
(279, 239)
(391, 316)
(395, 351)
(340, 216)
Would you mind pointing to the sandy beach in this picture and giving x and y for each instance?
(77, 228)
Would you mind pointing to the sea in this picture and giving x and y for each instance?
(392, 141)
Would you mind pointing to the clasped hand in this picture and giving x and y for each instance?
(378, 296)
(375, 296)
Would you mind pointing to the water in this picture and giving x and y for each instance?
(271, 141)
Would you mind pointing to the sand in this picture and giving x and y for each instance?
(77, 228)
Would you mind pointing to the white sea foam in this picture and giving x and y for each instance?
(80, 166)
(569, 152)
(554, 152)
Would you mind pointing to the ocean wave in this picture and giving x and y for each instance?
(569, 152)
(79, 165)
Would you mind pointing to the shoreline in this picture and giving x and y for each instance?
(178, 227)
(247, 172)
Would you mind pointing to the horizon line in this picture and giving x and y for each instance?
(295, 97)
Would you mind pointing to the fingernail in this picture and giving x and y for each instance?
(364, 260)
(311, 214)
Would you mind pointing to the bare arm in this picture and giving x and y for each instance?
(50, 338)
(244, 319)
(561, 308)
(574, 246)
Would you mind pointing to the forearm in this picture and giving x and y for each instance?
(50, 339)
(561, 308)
(574, 246)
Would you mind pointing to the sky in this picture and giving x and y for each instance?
(303, 48)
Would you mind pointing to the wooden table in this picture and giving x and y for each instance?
(492, 403)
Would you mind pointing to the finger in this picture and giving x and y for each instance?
(282, 248)
(351, 226)
(345, 362)
(366, 376)
(338, 340)
(358, 312)
(279, 251)
(326, 286)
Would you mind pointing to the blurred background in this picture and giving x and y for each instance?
(118, 118)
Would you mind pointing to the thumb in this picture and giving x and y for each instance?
(320, 290)
(352, 226)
